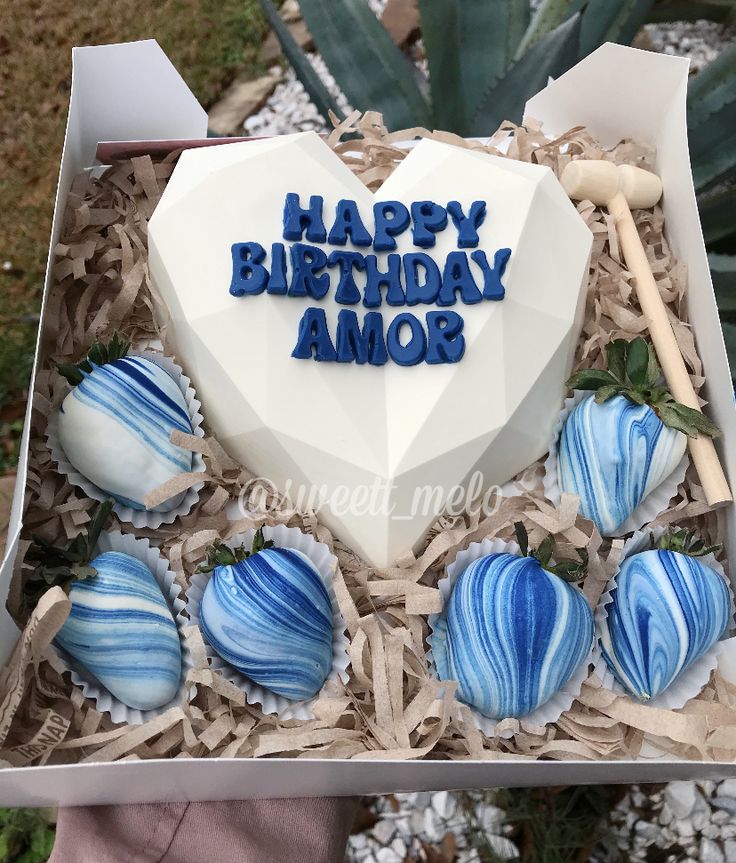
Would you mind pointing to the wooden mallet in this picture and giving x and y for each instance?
(619, 189)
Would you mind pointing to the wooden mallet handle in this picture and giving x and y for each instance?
(619, 189)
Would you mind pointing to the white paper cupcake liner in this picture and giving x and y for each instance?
(325, 563)
(561, 701)
(689, 683)
(138, 518)
(91, 687)
(654, 503)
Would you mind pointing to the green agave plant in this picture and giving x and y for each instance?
(487, 57)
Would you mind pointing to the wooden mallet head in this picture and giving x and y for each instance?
(598, 181)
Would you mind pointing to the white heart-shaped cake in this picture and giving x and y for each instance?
(375, 355)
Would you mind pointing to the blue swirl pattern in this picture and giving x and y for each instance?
(666, 611)
(140, 397)
(512, 635)
(270, 617)
(613, 455)
(122, 631)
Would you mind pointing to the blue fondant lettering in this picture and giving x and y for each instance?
(414, 350)
(445, 341)
(390, 219)
(457, 277)
(492, 287)
(429, 219)
(249, 277)
(296, 219)
(277, 280)
(306, 261)
(314, 336)
(375, 279)
(360, 346)
(347, 291)
(467, 226)
(426, 291)
(348, 224)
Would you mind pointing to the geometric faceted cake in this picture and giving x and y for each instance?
(371, 353)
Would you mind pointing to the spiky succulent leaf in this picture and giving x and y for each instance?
(59, 565)
(692, 10)
(718, 214)
(723, 271)
(371, 71)
(468, 44)
(318, 93)
(634, 373)
(712, 120)
(98, 355)
(553, 54)
(604, 21)
(548, 15)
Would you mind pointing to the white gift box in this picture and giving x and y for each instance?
(131, 92)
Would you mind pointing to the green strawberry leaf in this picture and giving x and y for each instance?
(98, 355)
(616, 355)
(522, 537)
(591, 379)
(697, 420)
(637, 362)
(605, 393)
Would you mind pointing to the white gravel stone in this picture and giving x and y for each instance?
(727, 788)
(727, 804)
(384, 831)
(681, 797)
(648, 831)
(729, 849)
(399, 846)
(710, 851)
(442, 804)
(388, 855)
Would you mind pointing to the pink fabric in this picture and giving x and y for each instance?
(313, 830)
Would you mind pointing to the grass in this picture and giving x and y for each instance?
(209, 41)
(25, 836)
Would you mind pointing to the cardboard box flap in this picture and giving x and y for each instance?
(127, 91)
(645, 98)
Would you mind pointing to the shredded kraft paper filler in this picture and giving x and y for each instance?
(391, 707)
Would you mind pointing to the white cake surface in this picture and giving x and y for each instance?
(338, 425)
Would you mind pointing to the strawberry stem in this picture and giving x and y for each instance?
(61, 566)
(568, 570)
(98, 355)
(633, 372)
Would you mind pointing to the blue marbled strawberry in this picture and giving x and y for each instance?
(269, 615)
(667, 609)
(620, 444)
(613, 455)
(115, 425)
(120, 627)
(512, 634)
